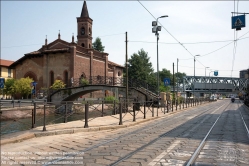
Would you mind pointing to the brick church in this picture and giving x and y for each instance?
(61, 60)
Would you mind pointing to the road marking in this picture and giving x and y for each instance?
(158, 158)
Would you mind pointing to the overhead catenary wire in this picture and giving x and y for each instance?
(205, 42)
(178, 42)
(170, 33)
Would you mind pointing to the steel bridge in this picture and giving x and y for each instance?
(214, 84)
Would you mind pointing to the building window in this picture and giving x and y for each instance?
(83, 45)
(9, 72)
(0, 71)
(89, 46)
(51, 78)
(119, 73)
(66, 78)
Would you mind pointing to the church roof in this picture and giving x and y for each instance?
(84, 12)
(115, 64)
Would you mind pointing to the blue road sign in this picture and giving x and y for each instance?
(34, 83)
(215, 73)
(238, 21)
(1, 83)
(166, 81)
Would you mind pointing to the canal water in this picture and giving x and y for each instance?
(12, 126)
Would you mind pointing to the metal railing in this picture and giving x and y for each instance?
(87, 111)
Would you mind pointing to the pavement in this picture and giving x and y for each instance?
(94, 124)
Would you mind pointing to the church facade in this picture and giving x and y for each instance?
(67, 61)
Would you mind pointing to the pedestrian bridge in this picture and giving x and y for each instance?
(71, 94)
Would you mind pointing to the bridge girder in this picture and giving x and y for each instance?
(238, 84)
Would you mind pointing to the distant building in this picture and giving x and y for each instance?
(5, 71)
(244, 73)
(62, 60)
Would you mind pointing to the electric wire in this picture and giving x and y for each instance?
(110, 35)
(170, 34)
(235, 39)
(206, 42)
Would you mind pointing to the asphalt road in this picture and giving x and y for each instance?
(171, 140)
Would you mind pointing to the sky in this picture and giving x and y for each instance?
(192, 28)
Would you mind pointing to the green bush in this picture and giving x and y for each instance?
(84, 81)
(58, 84)
(111, 99)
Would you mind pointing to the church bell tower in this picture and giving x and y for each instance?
(84, 28)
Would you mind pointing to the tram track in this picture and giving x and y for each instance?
(200, 147)
(154, 125)
(246, 127)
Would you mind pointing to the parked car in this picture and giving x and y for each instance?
(213, 98)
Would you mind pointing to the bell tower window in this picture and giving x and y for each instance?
(90, 32)
(83, 45)
(82, 31)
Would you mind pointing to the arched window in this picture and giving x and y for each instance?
(89, 46)
(51, 78)
(119, 73)
(66, 78)
(83, 75)
(90, 32)
(83, 45)
(82, 31)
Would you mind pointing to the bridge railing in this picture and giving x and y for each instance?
(102, 80)
(97, 80)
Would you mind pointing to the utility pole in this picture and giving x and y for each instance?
(174, 83)
(178, 75)
(126, 64)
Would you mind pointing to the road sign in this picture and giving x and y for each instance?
(215, 73)
(34, 83)
(1, 83)
(166, 81)
(238, 22)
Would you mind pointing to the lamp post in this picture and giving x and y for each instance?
(194, 76)
(212, 83)
(205, 77)
(155, 30)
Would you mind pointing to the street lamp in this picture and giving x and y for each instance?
(194, 75)
(205, 77)
(155, 30)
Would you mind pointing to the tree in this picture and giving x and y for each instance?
(58, 84)
(165, 74)
(22, 86)
(140, 67)
(8, 87)
(97, 45)
(180, 77)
